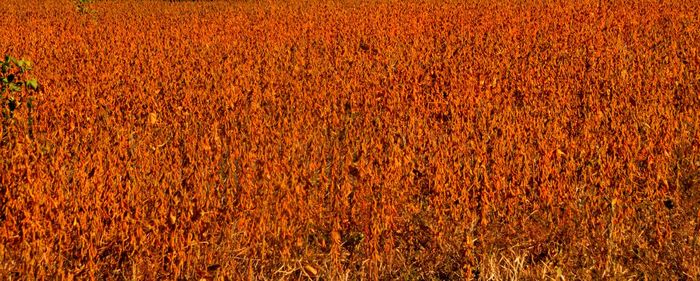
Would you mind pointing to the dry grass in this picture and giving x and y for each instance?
(352, 140)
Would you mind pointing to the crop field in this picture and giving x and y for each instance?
(350, 140)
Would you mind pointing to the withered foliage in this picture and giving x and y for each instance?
(354, 140)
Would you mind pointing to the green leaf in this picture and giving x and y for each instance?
(24, 66)
(20, 64)
(5, 67)
(15, 87)
(32, 84)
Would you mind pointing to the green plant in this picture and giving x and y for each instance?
(82, 8)
(16, 88)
